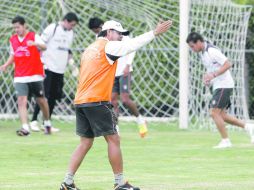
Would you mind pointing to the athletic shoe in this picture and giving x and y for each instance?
(143, 129)
(224, 144)
(34, 126)
(64, 186)
(22, 132)
(249, 127)
(47, 130)
(125, 186)
(252, 140)
(54, 130)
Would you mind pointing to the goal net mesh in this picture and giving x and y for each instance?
(155, 79)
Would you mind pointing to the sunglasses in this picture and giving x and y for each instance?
(120, 33)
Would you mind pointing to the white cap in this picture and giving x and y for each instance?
(114, 25)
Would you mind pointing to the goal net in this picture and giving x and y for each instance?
(155, 79)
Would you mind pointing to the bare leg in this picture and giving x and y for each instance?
(22, 107)
(114, 153)
(42, 102)
(114, 101)
(79, 154)
(129, 103)
(219, 121)
(232, 120)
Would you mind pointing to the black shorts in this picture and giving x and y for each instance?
(53, 84)
(221, 98)
(95, 120)
(122, 84)
(28, 89)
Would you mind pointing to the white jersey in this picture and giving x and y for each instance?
(124, 61)
(58, 42)
(213, 59)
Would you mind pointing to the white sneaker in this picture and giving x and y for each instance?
(54, 130)
(224, 144)
(249, 127)
(34, 126)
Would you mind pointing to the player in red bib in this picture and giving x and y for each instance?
(25, 49)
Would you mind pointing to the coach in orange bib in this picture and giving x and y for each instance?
(94, 113)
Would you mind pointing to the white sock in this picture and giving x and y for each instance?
(119, 179)
(226, 140)
(246, 127)
(25, 126)
(140, 120)
(47, 123)
(69, 178)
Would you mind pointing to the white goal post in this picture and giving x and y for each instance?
(166, 78)
(183, 64)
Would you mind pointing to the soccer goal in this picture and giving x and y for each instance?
(155, 81)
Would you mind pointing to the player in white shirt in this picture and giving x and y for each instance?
(122, 81)
(58, 38)
(218, 75)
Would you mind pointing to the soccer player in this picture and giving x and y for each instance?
(58, 38)
(94, 114)
(218, 75)
(122, 81)
(95, 24)
(25, 49)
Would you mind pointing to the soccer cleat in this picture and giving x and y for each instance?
(125, 186)
(22, 132)
(223, 144)
(143, 129)
(34, 126)
(64, 186)
(249, 127)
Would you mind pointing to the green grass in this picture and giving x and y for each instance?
(168, 159)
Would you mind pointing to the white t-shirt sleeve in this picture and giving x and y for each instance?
(11, 50)
(48, 32)
(130, 58)
(118, 49)
(38, 40)
(217, 56)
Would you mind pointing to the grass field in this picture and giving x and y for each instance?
(168, 159)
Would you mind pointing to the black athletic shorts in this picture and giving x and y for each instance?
(53, 84)
(95, 119)
(221, 98)
(122, 84)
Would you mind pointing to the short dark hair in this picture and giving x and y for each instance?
(194, 37)
(71, 17)
(95, 23)
(102, 33)
(18, 19)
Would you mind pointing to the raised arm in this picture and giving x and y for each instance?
(116, 49)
